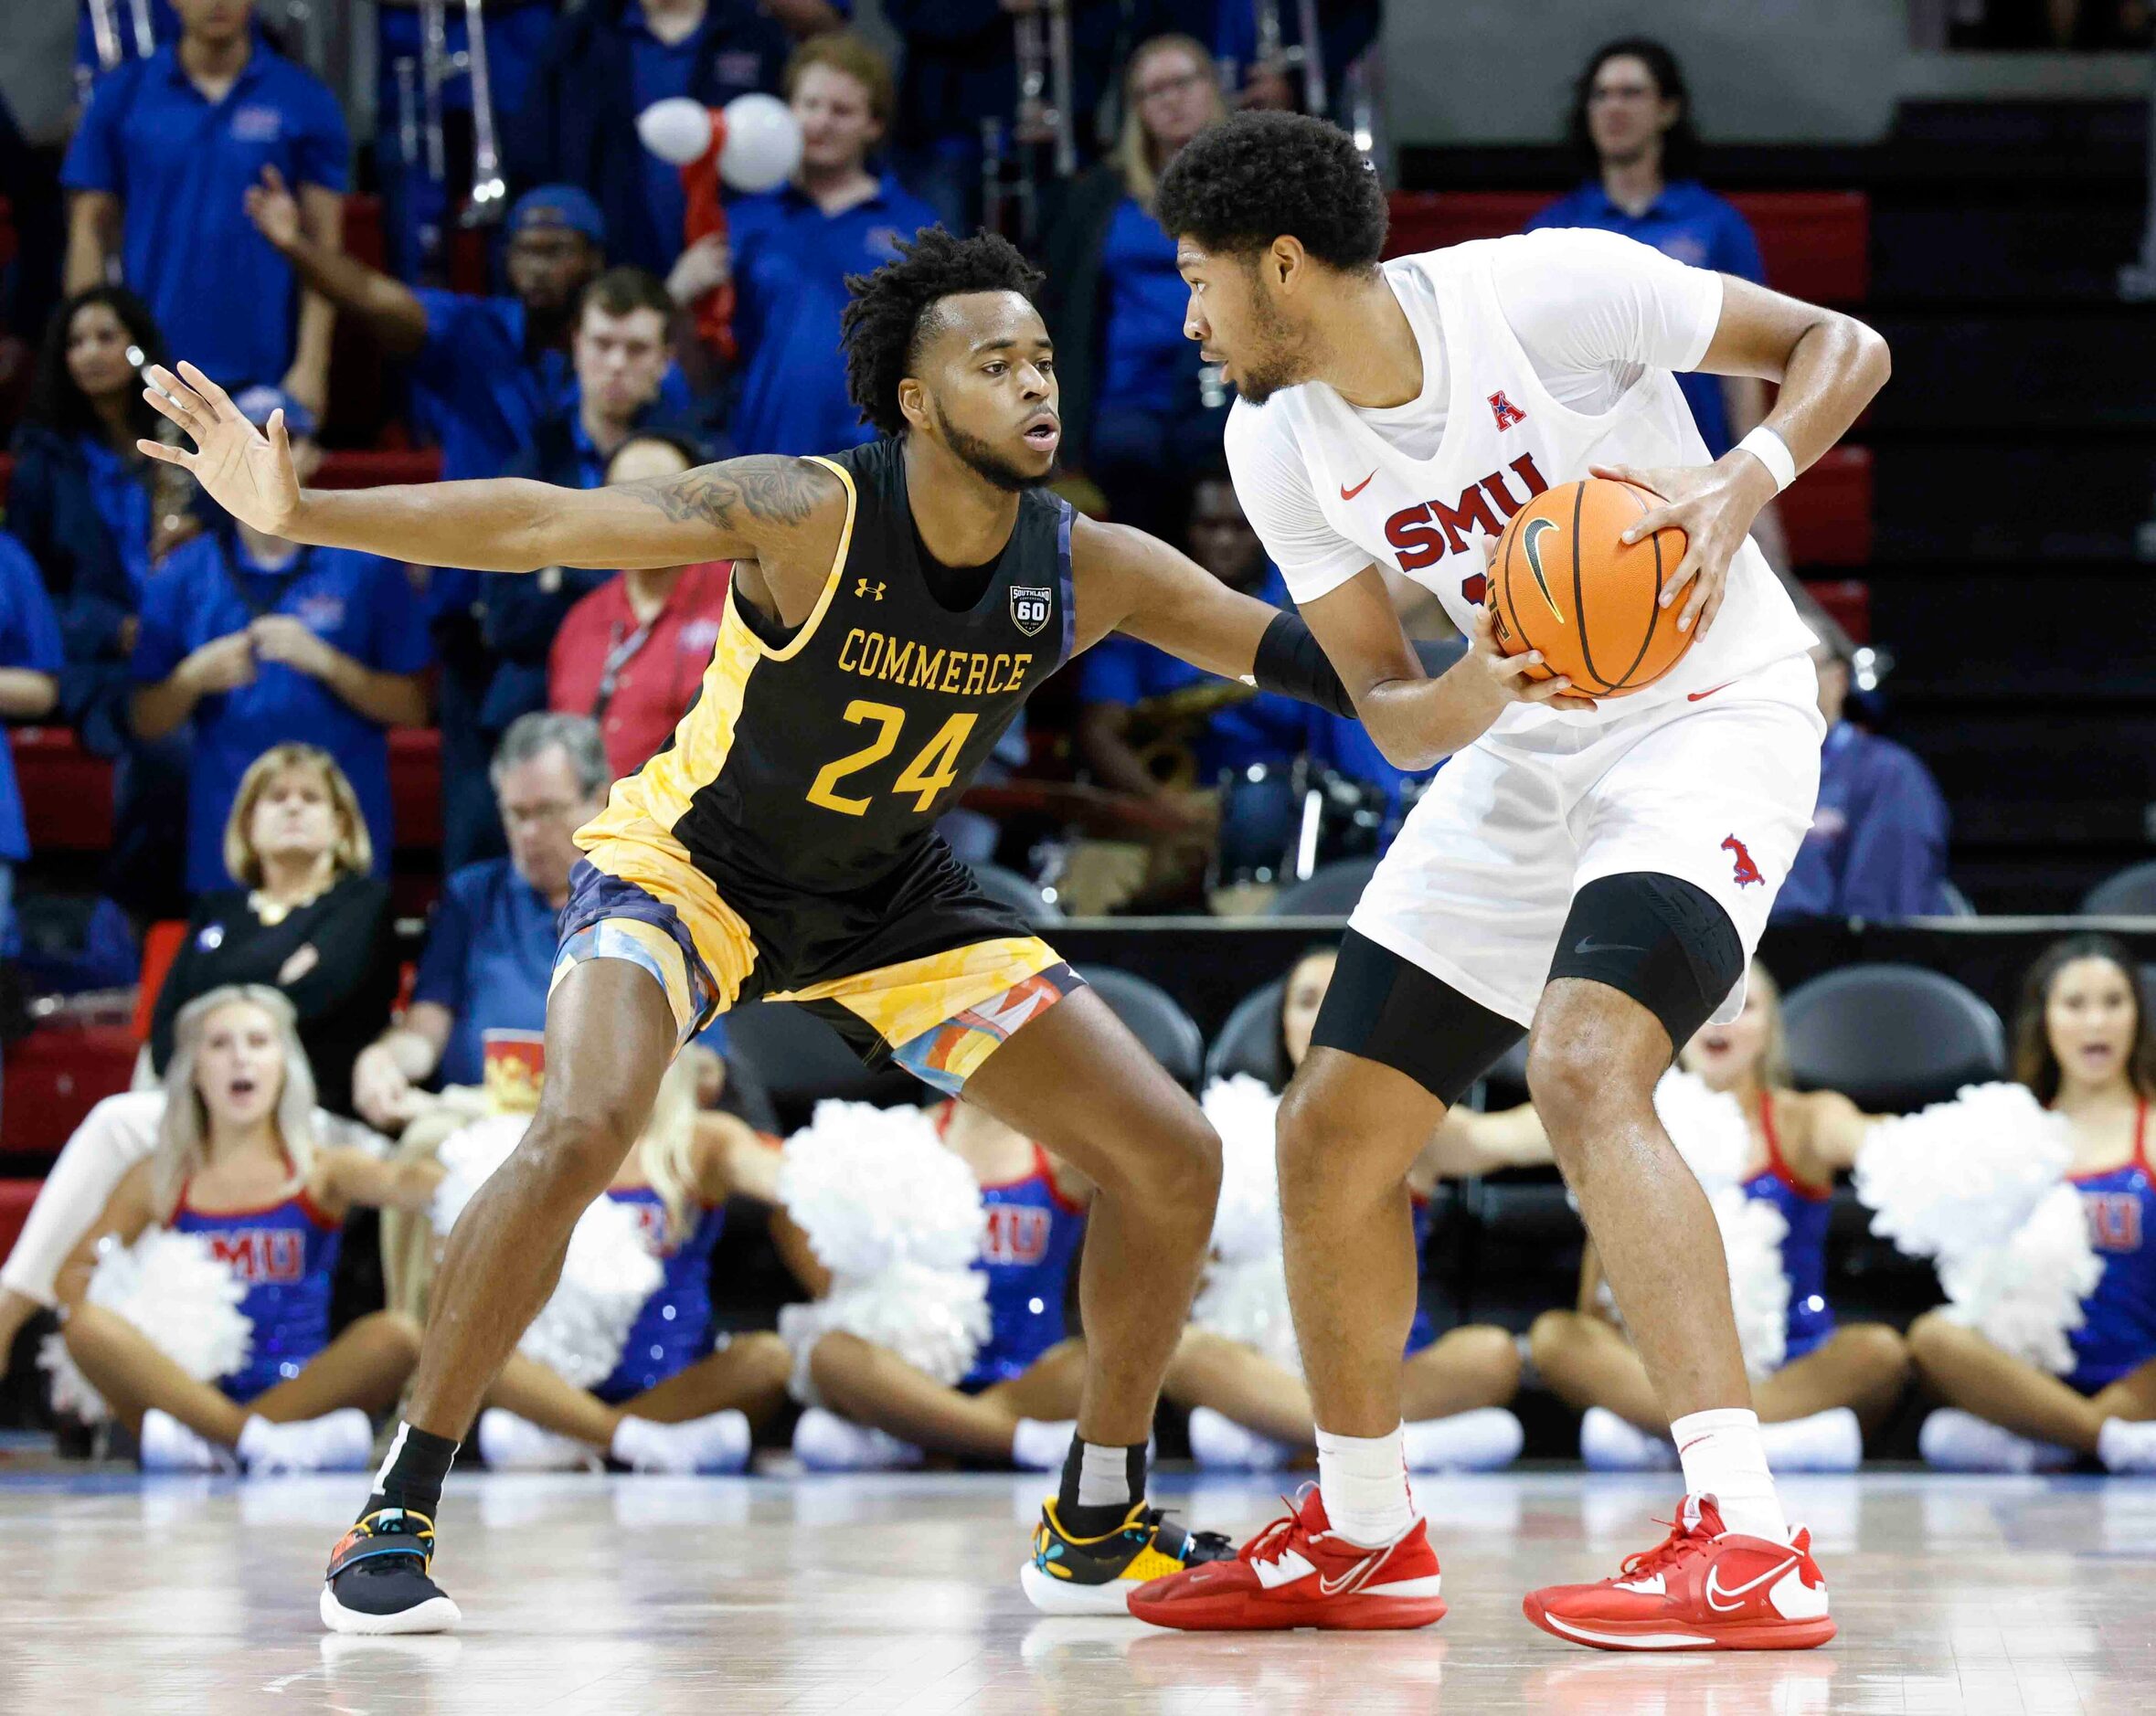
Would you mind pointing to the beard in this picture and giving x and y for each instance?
(1277, 361)
(985, 460)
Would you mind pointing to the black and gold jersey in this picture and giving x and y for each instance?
(816, 765)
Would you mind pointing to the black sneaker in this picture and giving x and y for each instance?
(378, 1581)
(1095, 1575)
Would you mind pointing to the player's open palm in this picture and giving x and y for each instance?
(247, 472)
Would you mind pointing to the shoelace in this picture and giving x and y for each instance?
(1275, 1539)
(1673, 1548)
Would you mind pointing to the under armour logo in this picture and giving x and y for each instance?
(874, 593)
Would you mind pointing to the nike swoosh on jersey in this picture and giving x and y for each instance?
(1696, 695)
(1347, 494)
(1715, 1588)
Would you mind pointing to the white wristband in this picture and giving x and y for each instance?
(1772, 451)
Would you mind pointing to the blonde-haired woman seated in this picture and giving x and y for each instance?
(677, 1401)
(1833, 1379)
(237, 1163)
(307, 918)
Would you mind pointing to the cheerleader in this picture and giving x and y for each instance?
(1832, 1380)
(1017, 1403)
(237, 1163)
(672, 1402)
(2084, 1046)
(1249, 1412)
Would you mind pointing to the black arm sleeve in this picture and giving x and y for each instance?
(1292, 663)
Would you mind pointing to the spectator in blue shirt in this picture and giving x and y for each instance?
(789, 250)
(490, 947)
(1878, 842)
(160, 168)
(1631, 128)
(96, 516)
(260, 641)
(1133, 412)
(29, 686)
(1152, 724)
(614, 58)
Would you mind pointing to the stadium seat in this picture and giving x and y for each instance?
(1329, 891)
(1155, 1018)
(56, 1076)
(15, 1198)
(799, 1061)
(1957, 904)
(2129, 893)
(1892, 1037)
(1816, 245)
(1250, 1039)
(1008, 888)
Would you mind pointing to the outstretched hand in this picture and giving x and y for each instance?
(247, 472)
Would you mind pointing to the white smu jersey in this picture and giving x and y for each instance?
(1505, 439)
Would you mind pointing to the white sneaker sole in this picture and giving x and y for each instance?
(437, 1614)
(1061, 1597)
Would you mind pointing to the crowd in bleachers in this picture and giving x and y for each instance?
(607, 327)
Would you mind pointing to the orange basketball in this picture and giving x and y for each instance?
(1565, 583)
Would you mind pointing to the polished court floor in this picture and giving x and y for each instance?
(2004, 1596)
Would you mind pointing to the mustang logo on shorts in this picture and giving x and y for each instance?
(1748, 872)
(1030, 607)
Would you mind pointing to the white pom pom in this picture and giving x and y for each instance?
(2024, 1296)
(1960, 1178)
(1247, 1301)
(762, 143)
(874, 1187)
(897, 1219)
(176, 1290)
(935, 1320)
(606, 1278)
(1752, 1234)
(1247, 1220)
(608, 1273)
(676, 130)
(1708, 1128)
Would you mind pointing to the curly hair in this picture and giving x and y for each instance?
(890, 313)
(1239, 186)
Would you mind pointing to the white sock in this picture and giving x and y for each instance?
(1482, 1440)
(1104, 1477)
(1363, 1481)
(254, 1437)
(1721, 1457)
(1829, 1441)
(635, 1440)
(1039, 1445)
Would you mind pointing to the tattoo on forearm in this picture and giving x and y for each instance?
(764, 488)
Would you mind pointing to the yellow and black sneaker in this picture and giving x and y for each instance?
(377, 1583)
(1095, 1575)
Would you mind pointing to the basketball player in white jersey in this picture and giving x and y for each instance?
(1597, 876)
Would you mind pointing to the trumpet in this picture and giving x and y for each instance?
(105, 30)
(1307, 56)
(1044, 118)
(488, 186)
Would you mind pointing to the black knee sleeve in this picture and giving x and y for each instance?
(1387, 1010)
(1663, 941)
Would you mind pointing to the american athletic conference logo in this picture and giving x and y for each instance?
(1031, 605)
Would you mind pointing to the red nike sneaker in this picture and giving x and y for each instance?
(1702, 1589)
(1296, 1573)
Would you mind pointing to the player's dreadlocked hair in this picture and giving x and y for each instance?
(1239, 185)
(890, 313)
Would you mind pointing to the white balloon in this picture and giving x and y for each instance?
(762, 143)
(676, 130)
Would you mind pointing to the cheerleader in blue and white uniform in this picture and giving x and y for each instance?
(679, 1400)
(236, 1164)
(1018, 1401)
(2085, 1045)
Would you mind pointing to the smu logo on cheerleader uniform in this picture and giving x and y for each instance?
(259, 1254)
(2114, 1220)
(1017, 1234)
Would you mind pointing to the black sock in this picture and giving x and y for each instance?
(411, 1476)
(1099, 1513)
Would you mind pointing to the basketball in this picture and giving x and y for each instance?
(1565, 583)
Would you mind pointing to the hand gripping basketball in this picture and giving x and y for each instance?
(1714, 505)
(1520, 678)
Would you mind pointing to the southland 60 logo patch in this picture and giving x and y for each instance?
(1030, 607)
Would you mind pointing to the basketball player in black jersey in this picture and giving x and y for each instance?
(892, 607)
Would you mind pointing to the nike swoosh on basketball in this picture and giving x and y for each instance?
(1715, 1588)
(1711, 690)
(1347, 494)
